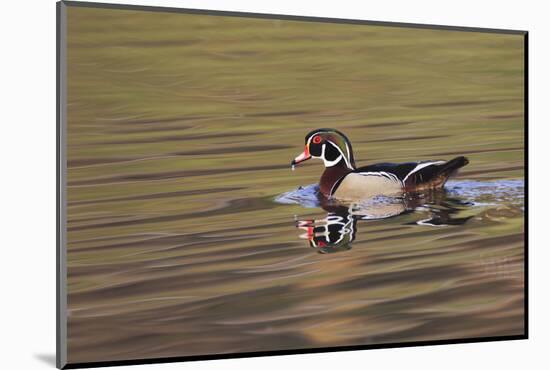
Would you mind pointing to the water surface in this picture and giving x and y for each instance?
(185, 228)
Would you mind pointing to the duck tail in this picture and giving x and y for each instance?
(453, 165)
(435, 175)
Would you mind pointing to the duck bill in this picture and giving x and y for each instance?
(301, 158)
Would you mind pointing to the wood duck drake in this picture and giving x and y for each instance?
(343, 180)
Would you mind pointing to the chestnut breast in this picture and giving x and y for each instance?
(330, 176)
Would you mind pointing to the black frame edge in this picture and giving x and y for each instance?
(526, 180)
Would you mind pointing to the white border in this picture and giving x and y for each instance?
(28, 182)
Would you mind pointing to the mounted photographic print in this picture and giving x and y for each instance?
(235, 184)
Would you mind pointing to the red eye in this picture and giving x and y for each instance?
(316, 139)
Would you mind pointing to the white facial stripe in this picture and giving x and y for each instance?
(342, 155)
(347, 149)
(327, 162)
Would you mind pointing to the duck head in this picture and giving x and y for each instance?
(330, 145)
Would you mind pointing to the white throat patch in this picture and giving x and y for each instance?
(334, 162)
(330, 163)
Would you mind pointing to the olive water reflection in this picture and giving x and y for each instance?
(442, 207)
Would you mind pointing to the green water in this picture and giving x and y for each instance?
(181, 129)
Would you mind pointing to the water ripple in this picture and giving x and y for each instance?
(477, 193)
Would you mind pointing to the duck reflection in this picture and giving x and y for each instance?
(336, 232)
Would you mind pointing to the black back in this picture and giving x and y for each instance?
(401, 170)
